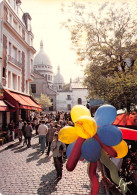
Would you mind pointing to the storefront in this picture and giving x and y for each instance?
(5, 109)
(23, 105)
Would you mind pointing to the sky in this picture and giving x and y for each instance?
(46, 26)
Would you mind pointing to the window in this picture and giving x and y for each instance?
(79, 101)
(19, 56)
(15, 24)
(14, 81)
(69, 106)
(10, 48)
(9, 79)
(49, 77)
(3, 72)
(46, 77)
(14, 52)
(33, 88)
(68, 97)
(60, 86)
(10, 19)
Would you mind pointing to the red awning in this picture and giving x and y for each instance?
(126, 119)
(24, 101)
(4, 106)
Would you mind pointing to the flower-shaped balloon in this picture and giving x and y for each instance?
(93, 139)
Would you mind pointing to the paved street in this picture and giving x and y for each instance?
(24, 171)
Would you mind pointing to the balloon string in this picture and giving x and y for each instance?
(80, 125)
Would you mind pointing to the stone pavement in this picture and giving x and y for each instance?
(24, 171)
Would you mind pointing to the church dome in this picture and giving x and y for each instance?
(58, 79)
(41, 58)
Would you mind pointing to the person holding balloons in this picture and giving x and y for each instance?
(58, 148)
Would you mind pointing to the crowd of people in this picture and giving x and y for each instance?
(47, 126)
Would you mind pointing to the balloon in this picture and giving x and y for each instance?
(113, 172)
(75, 154)
(86, 127)
(93, 178)
(128, 133)
(69, 149)
(77, 111)
(121, 149)
(107, 149)
(67, 134)
(105, 115)
(110, 135)
(91, 150)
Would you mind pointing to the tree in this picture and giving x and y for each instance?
(105, 40)
(44, 101)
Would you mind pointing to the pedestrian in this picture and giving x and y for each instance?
(42, 130)
(58, 148)
(24, 133)
(12, 129)
(28, 131)
(50, 136)
(20, 125)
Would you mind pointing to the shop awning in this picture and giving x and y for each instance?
(24, 101)
(4, 106)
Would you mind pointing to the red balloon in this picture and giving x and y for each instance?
(75, 154)
(93, 178)
(108, 149)
(128, 133)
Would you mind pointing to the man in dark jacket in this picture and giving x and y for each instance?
(28, 131)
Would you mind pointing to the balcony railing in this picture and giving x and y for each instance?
(14, 61)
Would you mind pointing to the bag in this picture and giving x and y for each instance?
(61, 148)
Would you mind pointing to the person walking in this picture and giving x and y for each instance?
(42, 130)
(50, 136)
(12, 129)
(20, 125)
(28, 131)
(24, 133)
(57, 147)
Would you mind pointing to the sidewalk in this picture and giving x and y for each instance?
(24, 171)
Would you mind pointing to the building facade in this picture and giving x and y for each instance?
(40, 85)
(63, 96)
(16, 40)
(74, 93)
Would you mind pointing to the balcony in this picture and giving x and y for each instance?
(14, 61)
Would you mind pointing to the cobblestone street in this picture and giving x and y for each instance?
(26, 171)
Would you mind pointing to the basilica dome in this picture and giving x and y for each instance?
(58, 79)
(42, 58)
(43, 65)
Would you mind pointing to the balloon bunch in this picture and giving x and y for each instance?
(94, 139)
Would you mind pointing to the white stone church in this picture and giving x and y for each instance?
(63, 96)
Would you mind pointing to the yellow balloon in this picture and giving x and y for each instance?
(67, 134)
(86, 127)
(77, 111)
(121, 149)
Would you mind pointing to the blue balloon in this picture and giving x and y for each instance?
(91, 150)
(69, 149)
(110, 135)
(105, 115)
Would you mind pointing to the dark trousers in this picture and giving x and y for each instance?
(49, 144)
(28, 140)
(58, 165)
